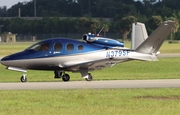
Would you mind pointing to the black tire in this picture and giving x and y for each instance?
(90, 77)
(65, 77)
(23, 79)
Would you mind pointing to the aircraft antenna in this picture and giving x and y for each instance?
(100, 30)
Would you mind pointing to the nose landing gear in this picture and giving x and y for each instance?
(23, 78)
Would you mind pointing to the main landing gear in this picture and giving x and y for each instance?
(65, 77)
(89, 78)
(85, 74)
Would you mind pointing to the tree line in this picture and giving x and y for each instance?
(81, 16)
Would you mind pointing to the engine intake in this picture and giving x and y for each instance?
(89, 37)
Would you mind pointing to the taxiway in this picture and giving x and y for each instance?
(164, 83)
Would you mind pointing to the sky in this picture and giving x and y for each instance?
(9, 3)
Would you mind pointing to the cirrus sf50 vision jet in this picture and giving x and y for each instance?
(93, 53)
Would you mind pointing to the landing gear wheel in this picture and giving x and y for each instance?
(90, 77)
(23, 79)
(65, 77)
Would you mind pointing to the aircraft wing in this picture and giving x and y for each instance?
(91, 65)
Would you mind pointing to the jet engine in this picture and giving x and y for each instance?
(99, 40)
(89, 37)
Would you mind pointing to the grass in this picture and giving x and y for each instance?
(86, 101)
(170, 48)
(10, 48)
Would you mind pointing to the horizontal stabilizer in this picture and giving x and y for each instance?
(143, 57)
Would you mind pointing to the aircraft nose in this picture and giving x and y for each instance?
(1, 61)
(4, 60)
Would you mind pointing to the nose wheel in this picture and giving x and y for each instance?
(23, 78)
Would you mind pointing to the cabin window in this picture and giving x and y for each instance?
(44, 47)
(70, 47)
(35, 47)
(80, 47)
(57, 46)
(40, 47)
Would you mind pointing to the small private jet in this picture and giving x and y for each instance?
(92, 53)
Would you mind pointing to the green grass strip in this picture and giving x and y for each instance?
(91, 102)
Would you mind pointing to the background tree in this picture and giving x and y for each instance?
(126, 25)
(84, 24)
(47, 25)
(153, 23)
(176, 27)
(95, 25)
(105, 28)
(3, 11)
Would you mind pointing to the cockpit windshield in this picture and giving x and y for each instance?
(39, 47)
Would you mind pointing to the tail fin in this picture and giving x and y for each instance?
(156, 39)
(139, 34)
